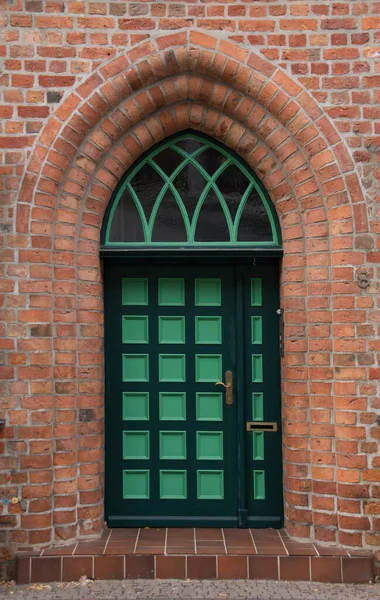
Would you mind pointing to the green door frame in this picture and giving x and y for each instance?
(239, 259)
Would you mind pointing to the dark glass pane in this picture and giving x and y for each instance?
(254, 222)
(126, 223)
(168, 160)
(212, 224)
(147, 184)
(232, 183)
(169, 225)
(189, 145)
(210, 159)
(190, 185)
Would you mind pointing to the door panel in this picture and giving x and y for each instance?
(176, 453)
(262, 394)
(171, 438)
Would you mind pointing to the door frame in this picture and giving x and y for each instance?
(213, 256)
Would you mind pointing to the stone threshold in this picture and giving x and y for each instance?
(199, 553)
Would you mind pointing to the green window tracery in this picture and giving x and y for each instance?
(189, 192)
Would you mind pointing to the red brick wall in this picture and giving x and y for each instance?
(293, 87)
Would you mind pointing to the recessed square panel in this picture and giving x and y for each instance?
(257, 406)
(208, 292)
(208, 330)
(135, 406)
(259, 485)
(257, 368)
(210, 485)
(210, 445)
(173, 485)
(135, 329)
(172, 445)
(134, 291)
(256, 292)
(136, 367)
(171, 292)
(258, 445)
(172, 406)
(171, 330)
(256, 330)
(135, 445)
(172, 367)
(209, 406)
(208, 367)
(136, 484)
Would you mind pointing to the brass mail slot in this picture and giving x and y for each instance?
(260, 426)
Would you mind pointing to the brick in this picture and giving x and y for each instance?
(315, 123)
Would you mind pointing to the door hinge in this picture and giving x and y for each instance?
(280, 312)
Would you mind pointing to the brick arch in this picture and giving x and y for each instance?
(165, 85)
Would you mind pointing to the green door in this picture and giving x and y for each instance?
(179, 447)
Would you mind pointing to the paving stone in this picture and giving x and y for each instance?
(173, 589)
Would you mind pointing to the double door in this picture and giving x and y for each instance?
(192, 395)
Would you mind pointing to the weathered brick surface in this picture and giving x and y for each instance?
(87, 87)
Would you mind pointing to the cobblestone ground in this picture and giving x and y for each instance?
(173, 589)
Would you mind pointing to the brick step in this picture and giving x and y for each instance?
(63, 567)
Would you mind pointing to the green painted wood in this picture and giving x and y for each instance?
(135, 329)
(210, 485)
(135, 367)
(257, 329)
(209, 406)
(263, 460)
(190, 318)
(257, 368)
(258, 445)
(210, 445)
(172, 406)
(257, 406)
(171, 330)
(211, 183)
(208, 330)
(208, 292)
(256, 291)
(136, 445)
(197, 466)
(172, 445)
(136, 484)
(173, 485)
(135, 406)
(135, 291)
(208, 368)
(259, 485)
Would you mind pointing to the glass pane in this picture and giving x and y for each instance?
(210, 159)
(168, 160)
(147, 184)
(190, 185)
(126, 224)
(189, 145)
(169, 225)
(254, 222)
(212, 224)
(232, 183)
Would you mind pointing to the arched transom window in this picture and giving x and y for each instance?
(190, 191)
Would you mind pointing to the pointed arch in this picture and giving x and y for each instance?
(202, 163)
(158, 88)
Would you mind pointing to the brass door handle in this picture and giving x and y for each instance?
(228, 387)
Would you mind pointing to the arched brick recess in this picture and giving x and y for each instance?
(157, 88)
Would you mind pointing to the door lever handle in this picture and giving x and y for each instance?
(228, 387)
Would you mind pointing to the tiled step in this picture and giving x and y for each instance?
(196, 554)
(333, 569)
